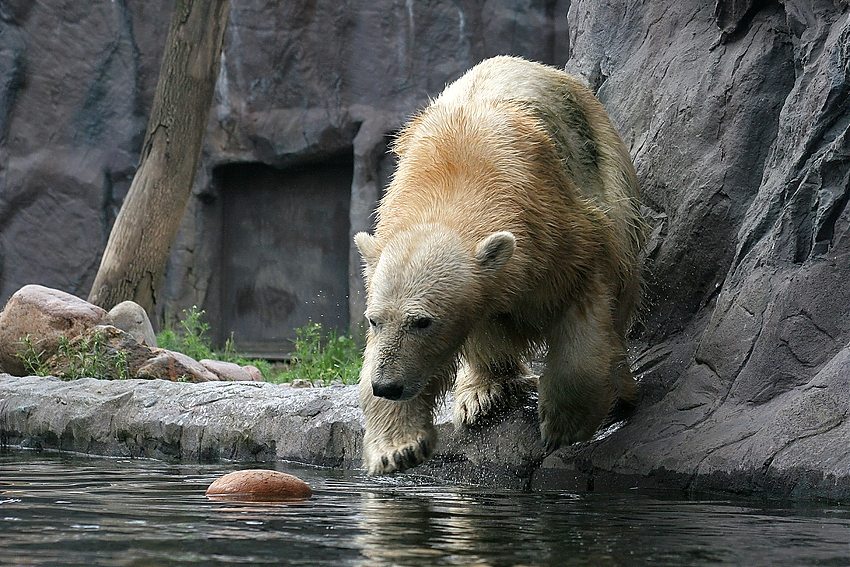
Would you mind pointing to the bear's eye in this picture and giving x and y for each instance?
(421, 323)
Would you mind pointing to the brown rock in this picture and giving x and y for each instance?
(254, 372)
(259, 485)
(175, 366)
(46, 315)
(137, 354)
(227, 370)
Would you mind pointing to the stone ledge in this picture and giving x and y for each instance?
(323, 426)
(244, 421)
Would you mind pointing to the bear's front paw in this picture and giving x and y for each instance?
(381, 457)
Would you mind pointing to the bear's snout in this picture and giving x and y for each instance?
(387, 389)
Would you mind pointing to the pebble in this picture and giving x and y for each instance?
(259, 485)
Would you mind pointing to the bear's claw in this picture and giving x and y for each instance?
(475, 401)
(398, 458)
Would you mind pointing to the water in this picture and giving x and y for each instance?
(63, 510)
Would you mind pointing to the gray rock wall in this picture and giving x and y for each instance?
(738, 120)
(304, 82)
(76, 80)
(301, 82)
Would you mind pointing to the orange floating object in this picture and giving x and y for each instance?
(259, 485)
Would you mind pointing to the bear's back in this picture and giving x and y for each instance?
(589, 147)
(586, 141)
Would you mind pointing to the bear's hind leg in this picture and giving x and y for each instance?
(575, 389)
(483, 388)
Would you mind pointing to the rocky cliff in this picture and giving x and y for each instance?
(737, 117)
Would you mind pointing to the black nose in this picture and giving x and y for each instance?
(388, 390)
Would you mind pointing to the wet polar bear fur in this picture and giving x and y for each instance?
(511, 226)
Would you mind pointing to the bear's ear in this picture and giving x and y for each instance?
(368, 247)
(494, 251)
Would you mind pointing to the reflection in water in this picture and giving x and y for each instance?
(398, 528)
(469, 526)
(74, 511)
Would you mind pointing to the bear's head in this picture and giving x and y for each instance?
(426, 289)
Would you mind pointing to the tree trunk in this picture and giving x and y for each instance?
(136, 254)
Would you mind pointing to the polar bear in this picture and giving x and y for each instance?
(511, 227)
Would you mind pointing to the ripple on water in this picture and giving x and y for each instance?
(58, 509)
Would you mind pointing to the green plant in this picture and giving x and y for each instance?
(318, 357)
(90, 356)
(191, 337)
(323, 357)
(33, 359)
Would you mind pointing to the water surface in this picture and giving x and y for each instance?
(71, 510)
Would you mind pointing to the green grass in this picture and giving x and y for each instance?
(323, 357)
(318, 356)
(191, 337)
(33, 358)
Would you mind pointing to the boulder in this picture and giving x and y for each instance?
(175, 366)
(227, 370)
(132, 318)
(46, 319)
(253, 372)
(45, 315)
